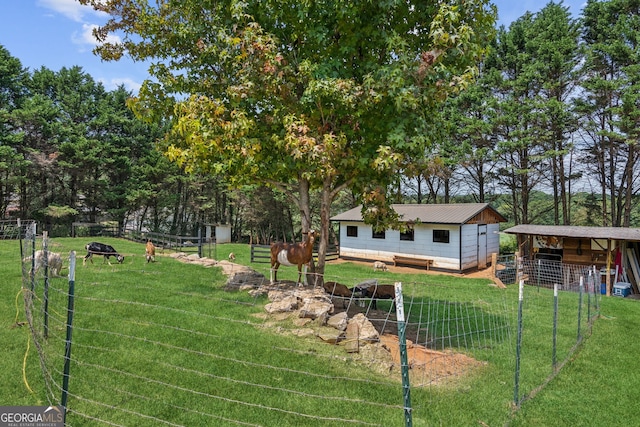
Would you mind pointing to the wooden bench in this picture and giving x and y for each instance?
(420, 262)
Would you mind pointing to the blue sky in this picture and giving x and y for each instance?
(57, 33)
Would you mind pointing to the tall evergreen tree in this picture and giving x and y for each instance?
(554, 59)
(518, 152)
(471, 121)
(608, 104)
(12, 93)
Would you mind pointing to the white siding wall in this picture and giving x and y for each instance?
(365, 246)
(444, 255)
(469, 246)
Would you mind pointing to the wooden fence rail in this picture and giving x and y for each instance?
(166, 241)
(262, 253)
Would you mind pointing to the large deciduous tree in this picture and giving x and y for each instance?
(301, 95)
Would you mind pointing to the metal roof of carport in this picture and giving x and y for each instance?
(579, 232)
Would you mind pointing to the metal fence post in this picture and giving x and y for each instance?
(45, 255)
(590, 288)
(580, 309)
(67, 351)
(518, 342)
(404, 364)
(32, 274)
(555, 325)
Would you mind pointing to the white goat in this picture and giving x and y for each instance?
(54, 262)
(379, 265)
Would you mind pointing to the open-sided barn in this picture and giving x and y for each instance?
(613, 249)
(453, 237)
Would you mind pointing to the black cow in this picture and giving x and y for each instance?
(101, 249)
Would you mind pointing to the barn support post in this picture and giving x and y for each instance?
(494, 264)
(404, 364)
(608, 276)
(67, 350)
(597, 302)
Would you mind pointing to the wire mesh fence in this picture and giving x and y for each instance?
(159, 345)
(15, 229)
(546, 273)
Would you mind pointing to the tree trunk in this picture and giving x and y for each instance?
(628, 194)
(325, 224)
(304, 205)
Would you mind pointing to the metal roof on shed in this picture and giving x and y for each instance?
(614, 233)
(451, 213)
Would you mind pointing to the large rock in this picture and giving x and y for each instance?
(352, 344)
(304, 332)
(241, 277)
(316, 309)
(312, 303)
(330, 335)
(283, 305)
(208, 262)
(315, 293)
(360, 331)
(339, 321)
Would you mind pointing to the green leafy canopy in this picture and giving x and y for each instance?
(315, 95)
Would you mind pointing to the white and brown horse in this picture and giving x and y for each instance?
(290, 254)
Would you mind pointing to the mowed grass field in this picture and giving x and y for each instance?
(154, 338)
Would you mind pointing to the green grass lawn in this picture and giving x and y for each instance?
(165, 340)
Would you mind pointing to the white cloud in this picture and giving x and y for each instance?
(72, 9)
(129, 84)
(86, 36)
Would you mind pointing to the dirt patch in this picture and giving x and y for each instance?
(430, 367)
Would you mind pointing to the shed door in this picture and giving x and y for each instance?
(482, 246)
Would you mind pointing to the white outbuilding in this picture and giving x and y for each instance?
(452, 237)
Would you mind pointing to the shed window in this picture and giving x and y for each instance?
(441, 236)
(378, 234)
(352, 231)
(407, 235)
